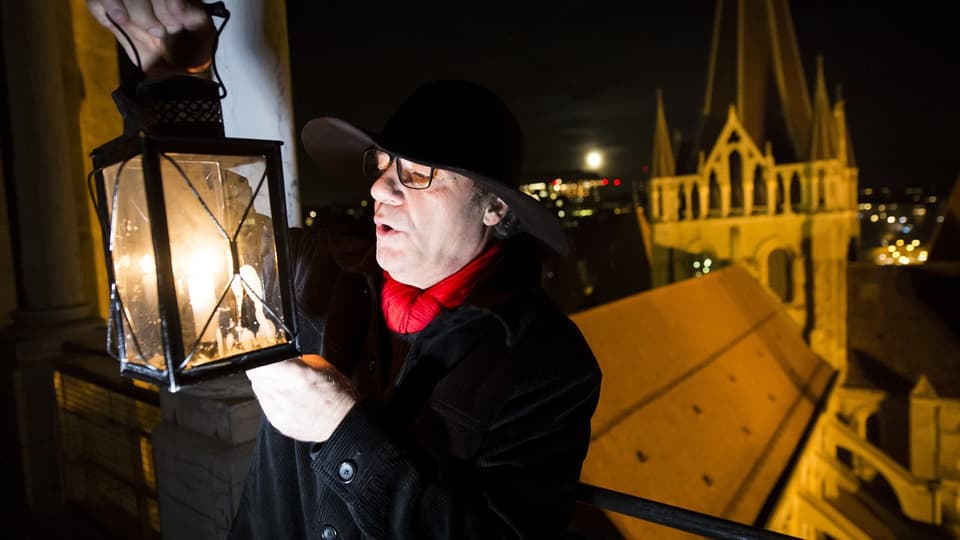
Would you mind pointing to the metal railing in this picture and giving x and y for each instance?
(673, 516)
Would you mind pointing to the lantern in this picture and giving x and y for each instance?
(195, 238)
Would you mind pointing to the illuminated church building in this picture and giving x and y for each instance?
(769, 184)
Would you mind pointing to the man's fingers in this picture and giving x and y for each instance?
(170, 21)
(142, 16)
(114, 8)
(275, 371)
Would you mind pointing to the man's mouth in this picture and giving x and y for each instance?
(385, 230)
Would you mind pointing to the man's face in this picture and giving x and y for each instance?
(424, 235)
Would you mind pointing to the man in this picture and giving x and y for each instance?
(440, 394)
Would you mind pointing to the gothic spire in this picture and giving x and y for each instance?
(824, 141)
(663, 161)
(755, 65)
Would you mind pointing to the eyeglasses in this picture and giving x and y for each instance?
(376, 161)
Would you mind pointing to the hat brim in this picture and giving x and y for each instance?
(336, 145)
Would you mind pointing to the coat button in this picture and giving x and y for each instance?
(329, 533)
(346, 471)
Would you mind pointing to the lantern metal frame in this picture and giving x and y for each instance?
(151, 149)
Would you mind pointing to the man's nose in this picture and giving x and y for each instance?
(386, 189)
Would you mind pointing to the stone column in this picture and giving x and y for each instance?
(725, 199)
(655, 202)
(202, 452)
(704, 194)
(813, 202)
(772, 194)
(787, 188)
(688, 209)
(50, 268)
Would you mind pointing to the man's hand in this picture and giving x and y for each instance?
(304, 402)
(171, 36)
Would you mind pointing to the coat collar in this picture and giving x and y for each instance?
(506, 294)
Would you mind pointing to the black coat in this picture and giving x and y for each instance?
(480, 434)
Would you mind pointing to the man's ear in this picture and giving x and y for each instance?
(495, 212)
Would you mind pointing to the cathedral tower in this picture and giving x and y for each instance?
(770, 183)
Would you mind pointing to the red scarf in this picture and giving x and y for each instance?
(409, 309)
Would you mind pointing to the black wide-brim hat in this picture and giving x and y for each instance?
(448, 124)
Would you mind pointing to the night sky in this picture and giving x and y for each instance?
(584, 75)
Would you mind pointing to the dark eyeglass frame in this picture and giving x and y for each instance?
(373, 175)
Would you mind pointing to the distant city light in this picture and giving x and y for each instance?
(900, 241)
(707, 262)
(891, 219)
(874, 218)
(561, 213)
(896, 254)
(559, 203)
(594, 159)
(868, 191)
(911, 247)
(903, 219)
(867, 206)
(706, 269)
(939, 219)
(616, 181)
(363, 203)
(903, 260)
(604, 182)
(313, 213)
(922, 257)
(881, 207)
(915, 242)
(932, 199)
(696, 264)
(891, 249)
(883, 256)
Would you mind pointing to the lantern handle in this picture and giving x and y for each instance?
(126, 36)
(216, 9)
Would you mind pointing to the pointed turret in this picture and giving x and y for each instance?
(823, 143)
(844, 145)
(663, 161)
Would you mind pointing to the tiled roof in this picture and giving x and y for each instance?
(707, 389)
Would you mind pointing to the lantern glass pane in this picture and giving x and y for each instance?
(227, 307)
(134, 268)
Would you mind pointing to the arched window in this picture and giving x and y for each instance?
(695, 201)
(796, 194)
(736, 182)
(714, 195)
(659, 196)
(681, 203)
(821, 191)
(781, 194)
(873, 430)
(760, 199)
(780, 274)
